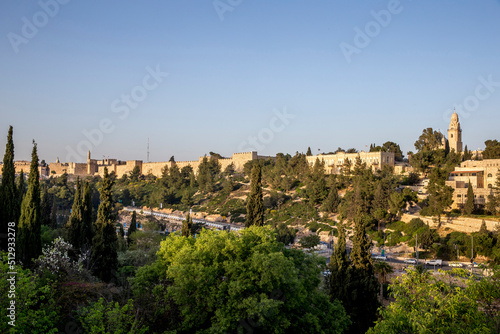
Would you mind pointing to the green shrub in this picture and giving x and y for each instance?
(103, 318)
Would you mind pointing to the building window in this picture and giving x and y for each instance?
(490, 175)
(459, 196)
(490, 186)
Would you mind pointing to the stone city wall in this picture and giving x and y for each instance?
(462, 224)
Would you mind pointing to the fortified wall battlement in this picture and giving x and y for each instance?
(96, 167)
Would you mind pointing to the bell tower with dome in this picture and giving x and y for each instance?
(455, 134)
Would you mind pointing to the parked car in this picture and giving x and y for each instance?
(380, 258)
(456, 264)
(410, 261)
(435, 262)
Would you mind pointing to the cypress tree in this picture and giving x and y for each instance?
(29, 229)
(469, 204)
(255, 206)
(187, 226)
(338, 258)
(339, 265)
(361, 289)
(360, 255)
(45, 206)
(75, 219)
(21, 191)
(105, 242)
(309, 153)
(86, 230)
(8, 197)
(133, 227)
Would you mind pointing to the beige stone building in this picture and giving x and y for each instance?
(335, 163)
(96, 167)
(481, 174)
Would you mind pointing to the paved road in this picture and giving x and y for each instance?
(218, 225)
(399, 262)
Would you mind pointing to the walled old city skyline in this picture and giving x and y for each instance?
(333, 162)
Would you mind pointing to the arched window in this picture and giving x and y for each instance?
(490, 186)
(490, 175)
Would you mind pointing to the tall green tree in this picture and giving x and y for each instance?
(21, 191)
(45, 206)
(87, 232)
(9, 205)
(187, 225)
(29, 244)
(361, 245)
(309, 152)
(133, 227)
(469, 203)
(104, 243)
(75, 219)
(339, 266)
(255, 205)
(440, 195)
(382, 269)
(361, 297)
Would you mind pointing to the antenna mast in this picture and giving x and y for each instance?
(148, 151)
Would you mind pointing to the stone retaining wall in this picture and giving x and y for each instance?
(467, 225)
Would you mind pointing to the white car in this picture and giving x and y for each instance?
(381, 258)
(436, 262)
(410, 261)
(456, 264)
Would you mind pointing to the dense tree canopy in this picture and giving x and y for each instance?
(492, 150)
(221, 282)
(427, 304)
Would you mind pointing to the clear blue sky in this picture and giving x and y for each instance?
(228, 78)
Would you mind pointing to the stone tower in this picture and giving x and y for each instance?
(455, 134)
